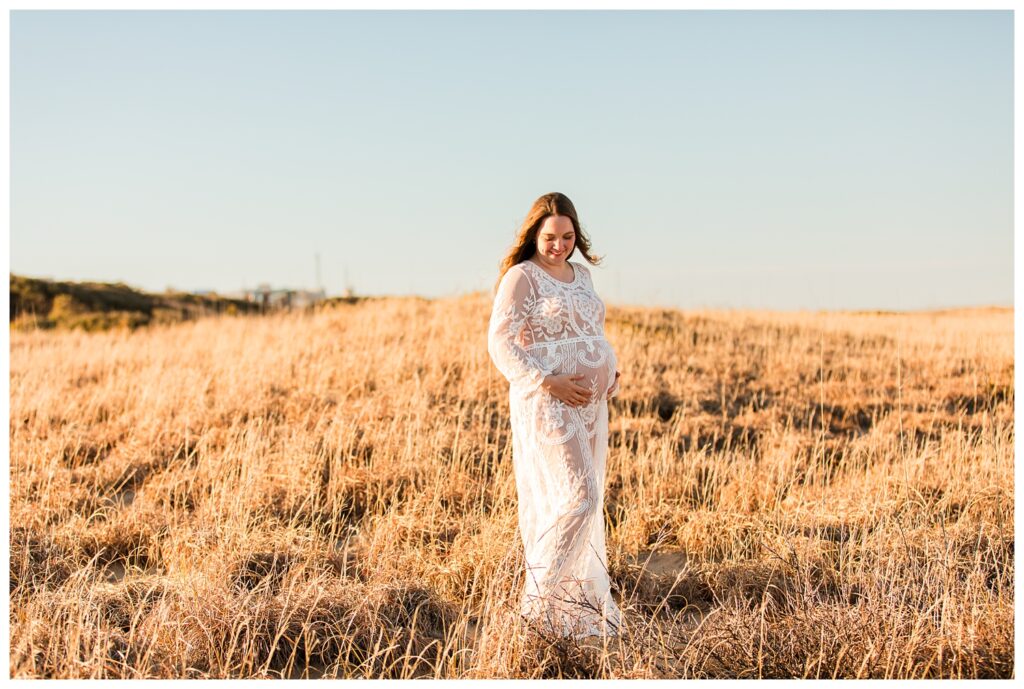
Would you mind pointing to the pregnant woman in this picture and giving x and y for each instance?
(546, 336)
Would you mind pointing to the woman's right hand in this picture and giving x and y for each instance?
(565, 388)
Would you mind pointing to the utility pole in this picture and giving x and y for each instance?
(348, 291)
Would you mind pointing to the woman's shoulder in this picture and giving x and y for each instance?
(517, 274)
(518, 269)
(525, 270)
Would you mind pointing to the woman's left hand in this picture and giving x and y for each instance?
(614, 389)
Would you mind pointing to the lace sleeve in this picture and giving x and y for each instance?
(512, 304)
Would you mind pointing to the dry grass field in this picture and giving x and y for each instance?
(331, 494)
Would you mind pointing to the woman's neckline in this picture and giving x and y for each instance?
(575, 272)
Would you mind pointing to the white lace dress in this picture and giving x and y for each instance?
(541, 325)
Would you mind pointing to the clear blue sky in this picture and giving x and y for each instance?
(781, 159)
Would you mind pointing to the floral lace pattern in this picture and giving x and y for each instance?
(543, 326)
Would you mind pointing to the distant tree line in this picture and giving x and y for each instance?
(37, 303)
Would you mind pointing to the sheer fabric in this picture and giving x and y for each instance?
(539, 326)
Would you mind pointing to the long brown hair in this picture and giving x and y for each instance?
(525, 244)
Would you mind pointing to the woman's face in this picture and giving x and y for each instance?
(555, 239)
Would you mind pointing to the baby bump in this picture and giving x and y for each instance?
(595, 361)
(554, 422)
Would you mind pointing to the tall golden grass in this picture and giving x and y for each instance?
(331, 494)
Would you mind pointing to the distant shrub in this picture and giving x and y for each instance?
(66, 307)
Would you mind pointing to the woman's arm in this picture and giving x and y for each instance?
(512, 304)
